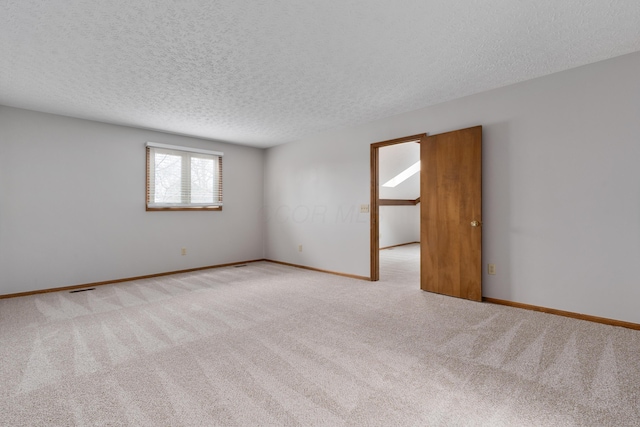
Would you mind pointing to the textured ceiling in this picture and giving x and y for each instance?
(261, 73)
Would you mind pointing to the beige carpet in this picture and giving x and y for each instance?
(267, 344)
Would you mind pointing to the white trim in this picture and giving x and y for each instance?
(187, 149)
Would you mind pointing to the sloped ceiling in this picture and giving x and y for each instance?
(394, 159)
(262, 73)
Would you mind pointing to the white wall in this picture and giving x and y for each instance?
(72, 205)
(561, 188)
(398, 225)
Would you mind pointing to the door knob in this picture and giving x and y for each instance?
(475, 223)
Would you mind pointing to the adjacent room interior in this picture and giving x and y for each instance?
(399, 209)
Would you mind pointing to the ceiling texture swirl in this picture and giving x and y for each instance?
(262, 73)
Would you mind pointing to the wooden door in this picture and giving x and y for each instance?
(451, 213)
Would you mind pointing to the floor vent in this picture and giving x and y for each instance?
(241, 265)
(81, 290)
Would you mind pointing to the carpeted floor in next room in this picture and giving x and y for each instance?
(268, 344)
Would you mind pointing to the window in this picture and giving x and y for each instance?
(180, 178)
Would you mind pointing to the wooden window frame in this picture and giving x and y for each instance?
(214, 208)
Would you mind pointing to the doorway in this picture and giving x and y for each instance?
(404, 201)
(450, 211)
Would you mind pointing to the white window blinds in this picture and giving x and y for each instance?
(181, 177)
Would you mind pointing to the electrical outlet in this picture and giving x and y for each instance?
(492, 269)
(364, 208)
(183, 251)
(299, 248)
